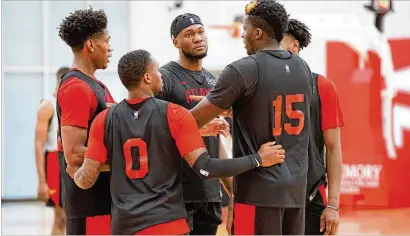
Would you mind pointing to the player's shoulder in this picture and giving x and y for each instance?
(244, 66)
(46, 107)
(72, 83)
(101, 118)
(247, 61)
(175, 108)
(325, 84)
(323, 79)
(166, 70)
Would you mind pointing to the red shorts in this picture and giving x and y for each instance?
(52, 169)
(176, 227)
(96, 225)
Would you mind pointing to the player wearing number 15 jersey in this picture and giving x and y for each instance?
(269, 92)
(143, 139)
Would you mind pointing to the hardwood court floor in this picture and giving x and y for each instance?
(32, 218)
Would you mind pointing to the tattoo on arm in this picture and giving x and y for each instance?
(88, 173)
(191, 157)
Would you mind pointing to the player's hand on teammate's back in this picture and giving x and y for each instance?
(215, 127)
(271, 154)
(43, 192)
(71, 171)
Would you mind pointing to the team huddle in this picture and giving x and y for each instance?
(120, 162)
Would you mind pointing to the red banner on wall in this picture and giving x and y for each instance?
(376, 137)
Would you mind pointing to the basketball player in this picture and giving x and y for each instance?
(80, 98)
(48, 170)
(143, 139)
(183, 79)
(269, 92)
(327, 119)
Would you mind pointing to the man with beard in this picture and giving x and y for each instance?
(327, 118)
(181, 80)
(269, 92)
(79, 100)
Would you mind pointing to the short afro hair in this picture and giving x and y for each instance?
(177, 20)
(132, 66)
(61, 71)
(270, 16)
(300, 32)
(81, 25)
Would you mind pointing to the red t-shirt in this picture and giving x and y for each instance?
(331, 113)
(77, 102)
(184, 131)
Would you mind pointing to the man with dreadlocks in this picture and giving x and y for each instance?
(79, 100)
(269, 92)
(183, 79)
(326, 117)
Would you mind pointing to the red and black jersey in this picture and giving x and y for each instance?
(79, 100)
(143, 141)
(325, 113)
(270, 94)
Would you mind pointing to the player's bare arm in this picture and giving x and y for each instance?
(87, 174)
(205, 111)
(226, 182)
(73, 144)
(333, 164)
(334, 176)
(44, 115)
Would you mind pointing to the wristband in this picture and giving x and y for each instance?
(257, 160)
(333, 207)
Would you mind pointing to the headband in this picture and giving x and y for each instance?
(185, 23)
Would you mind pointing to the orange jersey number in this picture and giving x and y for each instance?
(143, 158)
(290, 112)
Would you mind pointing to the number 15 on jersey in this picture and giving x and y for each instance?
(284, 103)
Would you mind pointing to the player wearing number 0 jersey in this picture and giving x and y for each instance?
(143, 139)
(269, 92)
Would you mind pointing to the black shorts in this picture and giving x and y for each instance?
(255, 220)
(314, 210)
(53, 178)
(97, 225)
(206, 216)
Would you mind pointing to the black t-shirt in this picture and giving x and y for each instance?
(178, 84)
(270, 95)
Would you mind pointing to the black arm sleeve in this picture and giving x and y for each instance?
(211, 168)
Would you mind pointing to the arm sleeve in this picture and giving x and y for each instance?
(166, 85)
(237, 81)
(211, 168)
(331, 112)
(75, 99)
(183, 129)
(96, 149)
